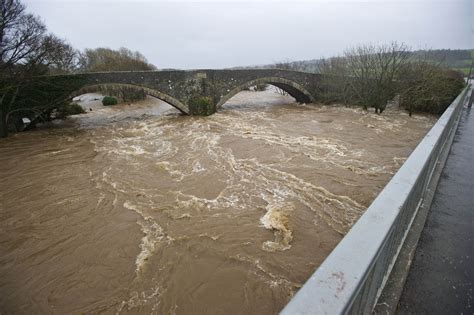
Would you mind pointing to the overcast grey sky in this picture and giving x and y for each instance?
(217, 34)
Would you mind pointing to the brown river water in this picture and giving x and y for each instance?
(138, 209)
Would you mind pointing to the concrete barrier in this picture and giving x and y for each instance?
(352, 277)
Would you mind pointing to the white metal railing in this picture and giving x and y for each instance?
(352, 277)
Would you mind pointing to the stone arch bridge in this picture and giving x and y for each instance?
(196, 92)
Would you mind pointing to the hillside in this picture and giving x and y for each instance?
(456, 59)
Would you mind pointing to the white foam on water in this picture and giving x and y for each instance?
(222, 201)
(203, 146)
(172, 169)
(153, 234)
(143, 298)
(319, 149)
(276, 219)
(183, 216)
(197, 167)
(212, 237)
(271, 279)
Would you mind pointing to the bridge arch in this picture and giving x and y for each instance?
(293, 88)
(152, 92)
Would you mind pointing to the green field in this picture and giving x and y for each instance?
(463, 70)
(463, 65)
(456, 59)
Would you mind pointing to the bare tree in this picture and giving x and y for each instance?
(26, 50)
(60, 57)
(20, 39)
(106, 59)
(21, 36)
(334, 86)
(286, 64)
(373, 71)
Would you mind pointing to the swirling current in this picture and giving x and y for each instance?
(138, 209)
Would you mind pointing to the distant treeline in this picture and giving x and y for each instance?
(456, 59)
(445, 55)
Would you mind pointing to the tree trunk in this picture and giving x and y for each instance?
(3, 124)
(4, 110)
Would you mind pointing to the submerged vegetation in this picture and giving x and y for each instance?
(71, 109)
(109, 100)
(201, 105)
(65, 110)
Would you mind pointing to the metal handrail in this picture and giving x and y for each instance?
(352, 277)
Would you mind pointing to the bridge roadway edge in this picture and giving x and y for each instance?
(351, 279)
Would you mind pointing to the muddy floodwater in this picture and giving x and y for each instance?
(138, 209)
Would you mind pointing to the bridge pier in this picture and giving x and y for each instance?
(201, 106)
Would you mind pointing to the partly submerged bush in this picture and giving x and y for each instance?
(201, 105)
(74, 109)
(109, 100)
(432, 90)
(68, 109)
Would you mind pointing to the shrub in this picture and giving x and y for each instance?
(68, 109)
(201, 105)
(109, 100)
(74, 109)
(431, 90)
